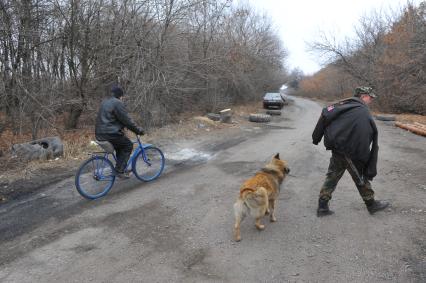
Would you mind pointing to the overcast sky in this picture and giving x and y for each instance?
(299, 21)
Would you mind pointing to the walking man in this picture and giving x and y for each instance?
(351, 134)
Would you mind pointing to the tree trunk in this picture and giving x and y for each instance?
(73, 115)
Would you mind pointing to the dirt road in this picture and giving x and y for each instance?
(179, 228)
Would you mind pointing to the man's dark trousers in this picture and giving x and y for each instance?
(338, 165)
(123, 148)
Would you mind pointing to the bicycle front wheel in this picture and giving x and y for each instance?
(148, 164)
(95, 177)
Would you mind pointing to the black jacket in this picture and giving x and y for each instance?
(348, 128)
(112, 118)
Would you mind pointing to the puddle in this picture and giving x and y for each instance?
(188, 154)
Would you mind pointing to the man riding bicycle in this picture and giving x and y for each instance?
(112, 118)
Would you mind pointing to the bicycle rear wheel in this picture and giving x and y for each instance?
(151, 167)
(95, 177)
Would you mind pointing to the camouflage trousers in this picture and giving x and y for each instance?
(338, 165)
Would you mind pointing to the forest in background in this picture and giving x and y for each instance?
(58, 59)
(388, 53)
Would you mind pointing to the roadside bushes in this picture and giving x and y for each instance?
(387, 53)
(58, 59)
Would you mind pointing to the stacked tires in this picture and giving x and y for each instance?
(259, 118)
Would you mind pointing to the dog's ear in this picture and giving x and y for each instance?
(277, 156)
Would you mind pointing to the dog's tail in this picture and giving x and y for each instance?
(246, 191)
(250, 201)
(254, 198)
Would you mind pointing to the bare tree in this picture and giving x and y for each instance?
(388, 54)
(59, 58)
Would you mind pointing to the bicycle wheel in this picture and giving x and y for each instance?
(95, 177)
(150, 168)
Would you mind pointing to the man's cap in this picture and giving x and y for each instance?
(364, 90)
(117, 91)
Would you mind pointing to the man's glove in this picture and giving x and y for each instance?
(369, 177)
(140, 132)
(370, 172)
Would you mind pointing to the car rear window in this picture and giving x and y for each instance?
(272, 96)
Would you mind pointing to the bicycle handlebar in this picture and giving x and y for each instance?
(139, 139)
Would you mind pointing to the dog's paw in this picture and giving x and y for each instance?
(260, 227)
(273, 219)
(237, 235)
(267, 212)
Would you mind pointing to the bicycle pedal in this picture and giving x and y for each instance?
(123, 175)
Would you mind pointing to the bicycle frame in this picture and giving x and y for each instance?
(135, 152)
(100, 167)
(141, 147)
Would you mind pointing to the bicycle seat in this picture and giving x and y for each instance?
(106, 145)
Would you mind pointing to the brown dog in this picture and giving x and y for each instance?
(259, 194)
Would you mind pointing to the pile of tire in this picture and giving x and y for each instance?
(259, 118)
(273, 112)
(41, 149)
(213, 116)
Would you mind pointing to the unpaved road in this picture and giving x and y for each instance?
(179, 228)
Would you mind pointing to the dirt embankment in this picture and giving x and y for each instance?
(22, 178)
(18, 178)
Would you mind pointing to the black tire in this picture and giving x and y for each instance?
(45, 148)
(385, 117)
(260, 118)
(213, 116)
(95, 177)
(150, 169)
(273, 112)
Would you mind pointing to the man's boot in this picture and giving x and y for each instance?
(323, 209)
(121, 173)
(376, 205)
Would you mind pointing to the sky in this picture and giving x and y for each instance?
(301, 21)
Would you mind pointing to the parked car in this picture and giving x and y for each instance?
(272, 99)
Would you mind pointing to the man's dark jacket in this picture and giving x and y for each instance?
(348, 128)
(112, 118)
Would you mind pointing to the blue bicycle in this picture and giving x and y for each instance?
(95, 177)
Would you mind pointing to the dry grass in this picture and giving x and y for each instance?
(244, 110)
(405, 118)
(190, 125)
(8, 138)
(77, 144)
(411, 118)
(25, 171)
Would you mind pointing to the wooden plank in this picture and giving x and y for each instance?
(423, 126)
(411, 128)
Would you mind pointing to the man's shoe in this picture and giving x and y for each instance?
(323, 209)
(376, 205)
(122, 175)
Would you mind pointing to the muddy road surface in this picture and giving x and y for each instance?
(179, 228)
